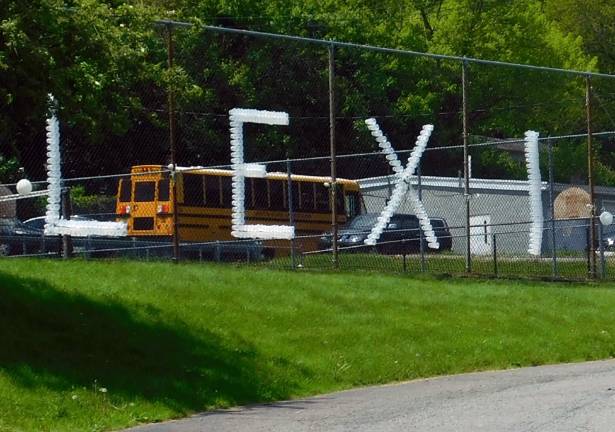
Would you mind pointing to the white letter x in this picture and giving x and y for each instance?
(402, 184)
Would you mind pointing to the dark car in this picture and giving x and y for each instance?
(38, 222)
(98, 246)
(28, 237)
(402, 235)
(608, 238)
(17, 238)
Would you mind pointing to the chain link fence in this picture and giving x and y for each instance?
(478, 207)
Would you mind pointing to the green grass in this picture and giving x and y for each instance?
(569, 268)
(166, 340)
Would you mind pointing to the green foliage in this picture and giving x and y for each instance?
(92, 56)
(568, 160)
(8, 169)
(83, 203)
(106, 64)
(498, 164)
(591, 23)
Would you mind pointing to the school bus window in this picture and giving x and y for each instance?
(276, 192)
(212, 191)
(203, 185)
(145, 191)
(352, 204)
(193, 190)
(249, 195)
(295, 194)
(163, 190)
(261, 201)
(321, 200)
(339, 198)
(227, 191)
(125, 190)
(285, 195)
(307, 196)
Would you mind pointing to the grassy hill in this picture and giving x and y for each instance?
(103, 345)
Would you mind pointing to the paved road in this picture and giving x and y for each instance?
(561, 398)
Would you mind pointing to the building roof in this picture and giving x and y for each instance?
(451, 183)
(373, 183)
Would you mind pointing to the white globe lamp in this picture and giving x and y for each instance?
(606, 218)
(24, 187)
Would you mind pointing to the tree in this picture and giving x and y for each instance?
(106, 64)
(94, 57)
(404, 91)
(593, 23)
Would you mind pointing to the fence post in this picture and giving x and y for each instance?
(552, 209)
(217, 251)
(494, 243)
(588, 250)
(419, 187)
(422, 250)
(86, 247)
(466, 167)
(291, 214)
(601, 248)
(331, 50)
(419, 182)
(67, 242)
(171, 108)
(590, 178)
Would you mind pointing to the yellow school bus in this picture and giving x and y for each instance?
(145, 201)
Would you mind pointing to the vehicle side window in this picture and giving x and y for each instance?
(437, 223)
(321, 198)
(352, 204)
(212, 191)
(410, 223)
(296, 196)
(227, 191)
(277, 195)
(339, 198)
(193, 190)
(307, 196)
(247, 189)
(261, 195)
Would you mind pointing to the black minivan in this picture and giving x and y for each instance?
(401, 235)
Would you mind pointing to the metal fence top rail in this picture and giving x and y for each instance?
(543, 140)
(325, 42)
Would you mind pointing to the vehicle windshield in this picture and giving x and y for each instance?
(35, 223)
(11, 224)
(362, 222)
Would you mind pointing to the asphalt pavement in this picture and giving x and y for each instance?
(559, 398)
